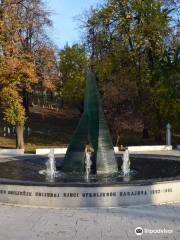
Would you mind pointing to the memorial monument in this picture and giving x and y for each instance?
(92, 130)
(90, 175)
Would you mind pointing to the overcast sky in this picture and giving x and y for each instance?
(65, 27)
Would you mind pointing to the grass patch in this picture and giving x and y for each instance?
(48, 129)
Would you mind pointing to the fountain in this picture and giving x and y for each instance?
(50, 172)
(90, 174)
(126, 164)
(51, 164)
(126, 172)
(88, 163)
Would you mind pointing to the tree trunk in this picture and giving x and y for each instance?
(20, 136)
(158, 136)
(146, 126)
(158, 128)
(26, 101)
(80, 107)
(62, 102)
(145, 133)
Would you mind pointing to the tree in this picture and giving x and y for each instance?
(129, 43)
(34, 19)
(21, 31)
(72, 65)
(17, 70)
(47, 67)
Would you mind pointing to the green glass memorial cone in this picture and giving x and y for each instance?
(93, 130)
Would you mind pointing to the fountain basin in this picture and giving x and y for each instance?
(23, 186)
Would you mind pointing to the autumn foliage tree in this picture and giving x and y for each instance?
(32, 35)
(21, 33)
(47, 67)
(17, 70)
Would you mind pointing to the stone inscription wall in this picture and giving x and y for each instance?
(105, 196)
(85, 194)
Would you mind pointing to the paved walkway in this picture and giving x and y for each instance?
(24, 223)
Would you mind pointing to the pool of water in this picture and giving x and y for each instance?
(143, 168)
